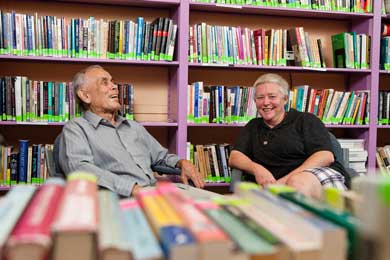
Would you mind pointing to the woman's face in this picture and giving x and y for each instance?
(270, 102)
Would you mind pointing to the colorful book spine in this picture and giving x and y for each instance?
(22, 162)
(144, 243)
(76, 223)
(11, 208)
(177, 242)
(249, 242)
(31, 236)
(213, 241)
(111, 237)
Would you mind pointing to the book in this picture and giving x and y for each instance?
(176, 241)
(247, 241)
(211, 239)
(303, 240)
(229, 204)
(76, 225)
(11, 208)
(31, 237)
(341, 219)
(373, 210)
(111, 234)
(144, 244)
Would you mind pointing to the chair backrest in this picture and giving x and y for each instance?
(52, 160)
(336, 148)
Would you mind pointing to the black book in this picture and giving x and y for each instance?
(164, 37)
(322, 60)
(154, 37)
(151, 37)
(13, 166)
(146, 32)
(1, 30)
(2, 100)
(34, 164)
(159, 37)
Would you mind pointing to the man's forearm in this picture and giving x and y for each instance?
(121, 184)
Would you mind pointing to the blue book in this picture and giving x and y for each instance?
(175, 240)
(139, 39)
(50, 101)
(144, 244)
(196, 101)
(23, 159)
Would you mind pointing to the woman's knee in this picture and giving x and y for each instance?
(305, 183)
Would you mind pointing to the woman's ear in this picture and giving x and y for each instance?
(285, 99)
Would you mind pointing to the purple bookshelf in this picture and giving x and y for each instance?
(179, 71)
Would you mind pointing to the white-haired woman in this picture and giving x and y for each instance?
(291, 148)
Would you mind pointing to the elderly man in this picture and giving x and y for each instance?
(118, 151)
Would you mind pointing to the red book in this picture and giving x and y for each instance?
(31, 238)
(259, 36)
(75, 226)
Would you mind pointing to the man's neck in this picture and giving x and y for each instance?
(109, 116)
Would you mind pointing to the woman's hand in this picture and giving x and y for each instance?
(263, 176)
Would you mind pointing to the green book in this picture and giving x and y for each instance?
(342, 219)
(246, 239)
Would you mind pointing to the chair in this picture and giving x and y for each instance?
(53, 158)
(339, 154)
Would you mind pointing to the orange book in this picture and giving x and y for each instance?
(75, 226)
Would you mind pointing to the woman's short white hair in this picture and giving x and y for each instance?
(273, 78)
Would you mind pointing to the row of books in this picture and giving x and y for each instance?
(220, 104)
(383, 159)
(236, 45)
(27, 164)
(25, 100)
(360, 6)
(351, 50)
(332, 106)
(384, 107)
(211, 160)
(38, 35)
(75, 221)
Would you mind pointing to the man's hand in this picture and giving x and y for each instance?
(135, 190)
(264, 177)
(189, 171)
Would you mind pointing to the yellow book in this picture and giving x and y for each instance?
(121, 37)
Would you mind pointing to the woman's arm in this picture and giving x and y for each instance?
(317, 159)
(240, 161)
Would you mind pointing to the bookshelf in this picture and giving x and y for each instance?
(161, 100)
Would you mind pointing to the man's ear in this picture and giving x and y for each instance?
(84, 96)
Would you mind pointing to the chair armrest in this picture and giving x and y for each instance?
(235, 178)
(165, 169)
